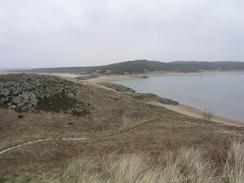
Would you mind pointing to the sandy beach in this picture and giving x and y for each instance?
(196, 113)
(114, 78)
(183, 109)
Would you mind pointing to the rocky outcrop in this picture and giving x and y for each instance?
(29, 92)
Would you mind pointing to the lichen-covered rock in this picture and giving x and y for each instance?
(30, 92)
(24, 101)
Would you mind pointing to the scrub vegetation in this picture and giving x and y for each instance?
(122, 138)
(144, 66)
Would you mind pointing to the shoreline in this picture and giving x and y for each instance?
(199, 114)
(114, 78)
(181, 108)
(117, 77)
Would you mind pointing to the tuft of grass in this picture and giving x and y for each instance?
(128, 168)
(194, 167)
(234, 168)
(183, 166)
(187, 167)
(81, 171)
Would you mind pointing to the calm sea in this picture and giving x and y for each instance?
(221, 94)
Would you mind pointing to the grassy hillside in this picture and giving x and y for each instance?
(183, 166)
(141, 66)
(55, 146)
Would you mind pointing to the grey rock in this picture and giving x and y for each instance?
(24, 101)
(24, 91)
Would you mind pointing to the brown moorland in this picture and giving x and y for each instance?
(117, 123)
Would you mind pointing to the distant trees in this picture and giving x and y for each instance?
(144, 66)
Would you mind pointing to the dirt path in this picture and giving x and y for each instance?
(41, 140)
(181, 109)
(122, 131)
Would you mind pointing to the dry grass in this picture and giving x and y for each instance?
(234, 169)
(183, 166)
(112, 113)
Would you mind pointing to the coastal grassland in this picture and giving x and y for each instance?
(120, 127)
(170, 133)
(183, 166)
(173, 105)
(145, 97)
(186, 165)
(117, 87)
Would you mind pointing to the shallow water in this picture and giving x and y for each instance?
(221, 94)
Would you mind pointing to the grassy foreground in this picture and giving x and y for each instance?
(184, 166)
(130, 140)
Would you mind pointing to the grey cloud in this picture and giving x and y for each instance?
(49, 33)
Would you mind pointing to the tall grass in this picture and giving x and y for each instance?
(183, 166)
(234, 168)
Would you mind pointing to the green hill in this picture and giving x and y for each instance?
(142, 66)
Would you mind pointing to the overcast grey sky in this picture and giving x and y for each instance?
(50, 33)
